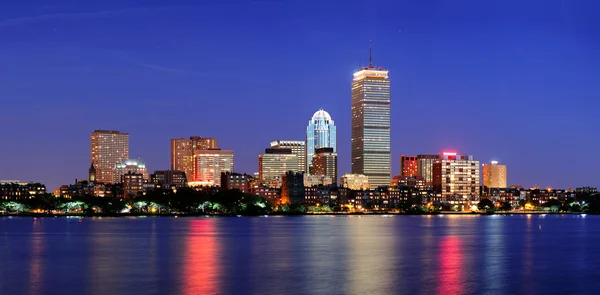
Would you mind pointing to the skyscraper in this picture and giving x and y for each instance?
(298, 148)
(209, 164)
(107, 148)
(325, 163)
(320, 133)
(494, 175)
(276, 162)
(182, 153)
(371, 124)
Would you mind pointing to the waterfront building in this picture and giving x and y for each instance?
(108, 147)
(16, 189)
(371, 124)
(209, 164)
(425, 167)
(298, 148)
(324, 162)
(169, 179)
(410, 181)
(355, 182)
(456, 176)
(182, 153)
(133, 183)
(292, 188)
(320, 133)
(276, 162)
(494, 175)
(231, 181)
(129, 165)
(408, 165)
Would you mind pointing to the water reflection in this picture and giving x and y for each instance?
(450, 276)
(36, 266)
(201, 267)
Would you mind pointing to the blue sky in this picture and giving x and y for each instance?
(501, 80)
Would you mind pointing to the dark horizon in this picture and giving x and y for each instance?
(511, 81)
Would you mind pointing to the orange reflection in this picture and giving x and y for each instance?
(201, 266)
(450, 274)
(36, 266)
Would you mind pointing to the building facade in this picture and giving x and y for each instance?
(456, 176)
(298, 148)
(182, 153)
(209, 164)
(371, 125)
(355, 182)
(169, 179)
(130, 165)
(408, 165)
(276, 162)
(107, 148)
(15, 189)
(320, 133)
(324, 162)
(494, 175)
(235, 181)
(133, 183)
(317, 180)
(425, 167)
(292, 188)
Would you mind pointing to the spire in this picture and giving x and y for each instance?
(370, 54)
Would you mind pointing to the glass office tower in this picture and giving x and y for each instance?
(320, 133)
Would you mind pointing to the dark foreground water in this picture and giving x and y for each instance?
(302, 255)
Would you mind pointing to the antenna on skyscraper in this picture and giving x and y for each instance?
(370, 54)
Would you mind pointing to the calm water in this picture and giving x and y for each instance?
(301, 255)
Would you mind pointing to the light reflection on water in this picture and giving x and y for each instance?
(301, 255)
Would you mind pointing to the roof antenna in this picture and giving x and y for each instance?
(370, 54)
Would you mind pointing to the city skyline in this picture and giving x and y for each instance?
(521, 84)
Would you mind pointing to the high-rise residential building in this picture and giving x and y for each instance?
(371, 125)
(130, 165)
(182, 152)
(276, 162)
(320, 133)
(298, 148)
(494, 175)
(456, 176)
(425, 167)
(169, 179)
(324, 162)
(209, 164)
(408, 165)
(108, 147)
(355, 182)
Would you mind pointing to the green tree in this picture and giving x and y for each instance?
(485, 204)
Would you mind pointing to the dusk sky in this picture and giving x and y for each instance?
(513, 81)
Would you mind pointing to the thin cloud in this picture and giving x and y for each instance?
(81, 15)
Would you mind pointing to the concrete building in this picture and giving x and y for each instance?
(311, 180)
(494, 175)
(371, 125)
(292, 188)
(182, 153)
(231, 181)
(129, 165)
(408, 165)
(276, 162)
(425, 167)
(456, 176)
(108, 147)
(15, 189)
(297, 147)
(209, 164)
(169, 179)
(324, 162)
(355, 182)
(133, 183)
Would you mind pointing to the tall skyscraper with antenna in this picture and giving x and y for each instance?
(371, 124)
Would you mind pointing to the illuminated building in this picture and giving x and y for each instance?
(316, 180)
(355, 182)
(130, 165)
(298, 148)
(292, 187)
(425, 167)
(494, 175)
(320, 133)
(408, 165)
(182, 153)
(209, 164)
(371, 125)
(169, 179)
(410, 181)
(15, 189)
(276, 162)
(92, 173)
(235, 181)
(456, 176)
(108, 147)
(132, 183)
(324, 162)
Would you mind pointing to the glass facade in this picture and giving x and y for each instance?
(425, 167)
(209, 164)
(320, 133)
(107, 148)
(371, 125)
(298, 148)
